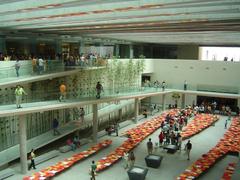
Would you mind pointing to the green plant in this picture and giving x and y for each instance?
(130, 72)
(111, 72)
(119, 79)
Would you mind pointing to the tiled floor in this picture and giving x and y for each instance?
(171, 166)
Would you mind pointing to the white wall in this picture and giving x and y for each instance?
(149, 68)
(196, 72)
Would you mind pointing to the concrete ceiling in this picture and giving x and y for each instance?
(214, 22)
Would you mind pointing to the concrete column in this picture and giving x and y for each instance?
(183, 101)
(163, 102)
(151, 51)
(101, 50)
(131, 51)
(117, 50)
(81, 47)
(95, 122)
(141, 50)
(120, 115)
(23, 143)
(32, 42)
(136, 107)
(3, 45)
(58, 46)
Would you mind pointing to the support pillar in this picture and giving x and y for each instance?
(120, 114)
(163, 102)
(101, 50)
(183, 101)
(33, 46)
(23, 143)
(81, 47)
(3, 45)
(58, 47)
(136, 107)
(95, 122)
(131, 51)
(141, 51)
(117, 50)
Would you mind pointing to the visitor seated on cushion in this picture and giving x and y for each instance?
(145, 113)
(71, 144)
(110, 129)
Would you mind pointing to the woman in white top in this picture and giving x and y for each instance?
(125, 157)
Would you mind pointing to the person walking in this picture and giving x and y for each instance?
(55, 127)
(226, 123)
(161, 138)
(156, 84)
(179, 141)
(99, 89)
(188, 149)
(150, 146)
(82, 114)
(125, 157)
(32, 157)
(63, 92)
(116, 128)
(17, 67)
(34, 65)
(131, 159)
(93, 170)
(163, 85)
(185, 85)
(40, 65)
(19, 92)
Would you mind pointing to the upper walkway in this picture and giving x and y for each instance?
(33, 107)
(59, 71)
(12, 153)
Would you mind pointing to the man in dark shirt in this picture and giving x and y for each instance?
(99, 89)
(188, 148)
(55, 127)
(150, 146)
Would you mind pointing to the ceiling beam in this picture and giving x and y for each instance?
(111, 10)
(163, 19)
(26, 5)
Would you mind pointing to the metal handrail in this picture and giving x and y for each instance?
(36, 96)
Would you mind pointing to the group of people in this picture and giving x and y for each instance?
(19, 92)
(73, 143)
(129, 159)
(81, 60)
(38, 66)
(63, 91)
(226, 59)
(170, 132)
(13, 57)
(112, 128)
(212, 107)
(156, 84)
